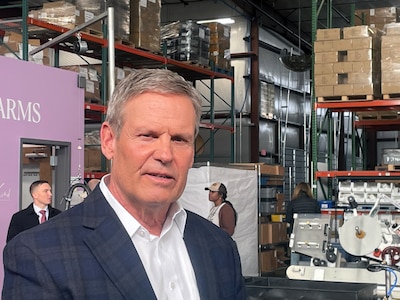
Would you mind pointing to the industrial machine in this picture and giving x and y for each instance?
(356, 248)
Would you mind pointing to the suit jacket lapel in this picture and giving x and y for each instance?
(113, 248)
(196, 242)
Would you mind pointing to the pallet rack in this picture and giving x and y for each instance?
(377, 124)
(126, 55)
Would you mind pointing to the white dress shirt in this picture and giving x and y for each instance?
(37, 210)
(165, 257)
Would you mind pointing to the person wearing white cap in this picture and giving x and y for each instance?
(221, 214)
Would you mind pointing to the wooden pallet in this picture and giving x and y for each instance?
(378, 115)
(195, 63)
(346, 98)
(393, 168)
(391, 96)
(126, 43)
(91, 31)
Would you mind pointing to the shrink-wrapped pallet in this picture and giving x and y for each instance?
(347, 65)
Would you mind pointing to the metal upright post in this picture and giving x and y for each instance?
(111, 51)
(314, 139)
(25, 30)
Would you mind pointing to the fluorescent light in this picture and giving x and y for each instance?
(222, 21)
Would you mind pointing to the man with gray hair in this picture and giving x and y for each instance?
(130, 238)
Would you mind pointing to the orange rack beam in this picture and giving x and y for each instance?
(372, 173)
(369, 105)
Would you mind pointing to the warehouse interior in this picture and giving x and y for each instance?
(304, 91)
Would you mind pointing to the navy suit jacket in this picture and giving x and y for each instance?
(85, 253)
(26, 219)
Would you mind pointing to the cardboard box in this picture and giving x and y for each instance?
(61, 13)
(93, 159)
(342, 45)
(343, 67)
(324, 91)
(280, 203)
(145, 24)
(362, 43)
(323, 46)
(363, 66)
(355, 32)
(377, 17)
(320, 69)
(360, 78)
(390, 88)
(326, 57)
(359, 55)
(329, 34)
(268, 261)
(83, 16)
(389, 53)
(265, 169)
(365, 89)
(326, 79)
(388, 41)
(92, 88)
(12, 36)
(343, 90)
(392, 29)
(270, 233)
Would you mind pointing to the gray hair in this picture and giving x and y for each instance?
(149, 80)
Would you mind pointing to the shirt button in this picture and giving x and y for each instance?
(141, 232)
(171, 285)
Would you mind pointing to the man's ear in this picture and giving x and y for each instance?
(107, 138)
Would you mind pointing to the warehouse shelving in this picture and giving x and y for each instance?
(126, 55)
(378, 124)
(347, 106)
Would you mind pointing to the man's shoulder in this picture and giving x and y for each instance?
(202, 226)
(24, 211)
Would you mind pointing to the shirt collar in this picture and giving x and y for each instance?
(176, 213)
(37, 209)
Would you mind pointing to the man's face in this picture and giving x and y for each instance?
(151, 157)
(42, 195)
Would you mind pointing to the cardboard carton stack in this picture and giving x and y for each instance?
(377, 17)
(61, 13)
(72, 13)
(220, 54)
(390, 61)
(92, 88)
(186, 41)
(12, 47)
(145, 24)
(347, 65)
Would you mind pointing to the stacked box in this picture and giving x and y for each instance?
(62, 13)
(271, 233)
(391, 157)
(92, 88)
(13, 47)
(390, 60)
(267, 101)
(268, 261)
(347, 62)
(71, 13)
(220, 54)
(376, 17)
(186, 41)
(145, 24)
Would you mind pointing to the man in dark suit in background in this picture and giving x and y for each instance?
(31, 216)
(131, 238)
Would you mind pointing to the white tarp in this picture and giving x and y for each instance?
(242, 192)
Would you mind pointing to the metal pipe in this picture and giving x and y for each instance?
(111, 51)
(67, 34)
